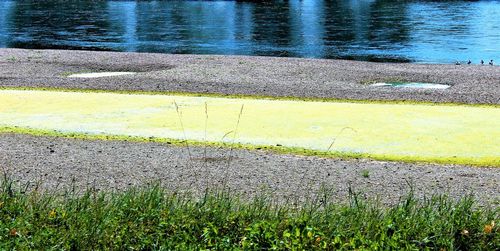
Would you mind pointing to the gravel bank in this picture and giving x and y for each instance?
(59, 162)
(248, 75)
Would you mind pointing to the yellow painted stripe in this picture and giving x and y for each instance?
(454, 134)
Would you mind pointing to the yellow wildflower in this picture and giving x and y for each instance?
(52, 213)
(309, 234)
(489, 227)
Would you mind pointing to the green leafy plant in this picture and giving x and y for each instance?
(154, 218)
(365, 173)
(12, 59)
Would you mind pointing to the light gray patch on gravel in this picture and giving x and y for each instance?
(115, 165)
(99, 74)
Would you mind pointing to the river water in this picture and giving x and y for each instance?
(372, 30)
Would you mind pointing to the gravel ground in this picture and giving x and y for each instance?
(60, 162)
(115, 165)
(248, 75)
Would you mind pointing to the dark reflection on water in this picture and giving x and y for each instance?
(375, 30)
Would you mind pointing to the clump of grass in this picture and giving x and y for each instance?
(12, 59)
(153, 218)
(365, 173)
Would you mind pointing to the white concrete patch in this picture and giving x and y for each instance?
(412, 85)
(99, 74)
(380, 84)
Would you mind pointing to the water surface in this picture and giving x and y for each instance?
(374, 30)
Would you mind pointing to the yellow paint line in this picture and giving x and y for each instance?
(453, 134)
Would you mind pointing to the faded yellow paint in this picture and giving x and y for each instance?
(454, 134)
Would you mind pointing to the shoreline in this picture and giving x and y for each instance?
(120, 164)
(249, 76)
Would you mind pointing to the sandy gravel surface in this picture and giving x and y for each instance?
(248, 75)
(58, 162)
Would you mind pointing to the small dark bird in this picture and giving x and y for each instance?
(491, 62)
(457, 63)
(469, 62)
(482, 62)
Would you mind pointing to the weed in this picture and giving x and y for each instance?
(340, 132)
(205, 157)
(234, 136)
(179, 115)
(12, 59)
(154, 218)
(365, 173)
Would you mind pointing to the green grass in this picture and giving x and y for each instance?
(155, 219)
(12, 59)
(365, 173)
